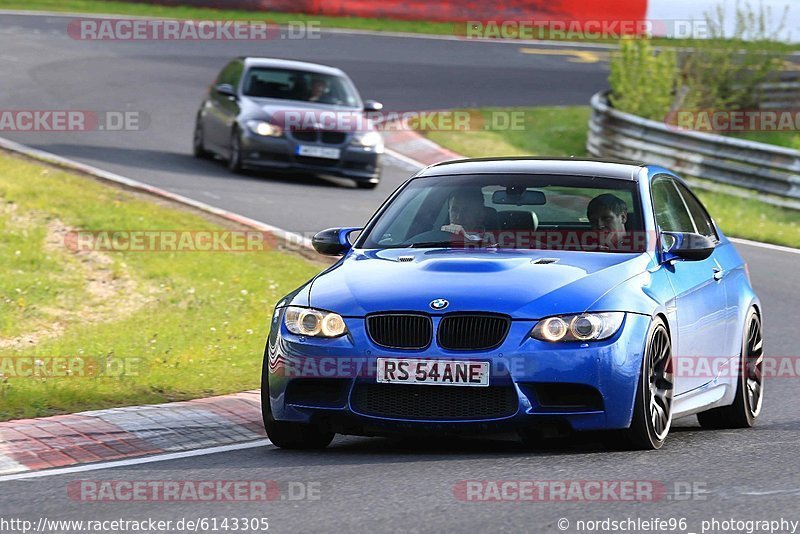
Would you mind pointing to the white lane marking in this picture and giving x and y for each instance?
(768, 246)
(136, 461)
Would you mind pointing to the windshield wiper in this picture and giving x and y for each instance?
(432, 244)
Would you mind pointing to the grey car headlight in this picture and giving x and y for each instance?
(264, 128)
(368, 139)
(313, 322)
(582, 327)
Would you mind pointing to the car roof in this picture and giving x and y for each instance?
(292, 65)
(618, 169)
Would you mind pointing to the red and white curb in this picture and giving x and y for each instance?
(416, 149)
(117, 433)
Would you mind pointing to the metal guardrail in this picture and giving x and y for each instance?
(783, 92)
(762, 167)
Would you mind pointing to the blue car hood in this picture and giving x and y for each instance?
(523, 285)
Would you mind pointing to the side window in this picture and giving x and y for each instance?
(223, 74)
(235, 75)
(231, 73)
(671, 212)
(699, 214)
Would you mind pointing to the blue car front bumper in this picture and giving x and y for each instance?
(332, 383)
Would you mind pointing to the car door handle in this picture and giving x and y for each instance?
(718, 274)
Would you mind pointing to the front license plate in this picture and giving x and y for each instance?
(439, 372)
(318, 152)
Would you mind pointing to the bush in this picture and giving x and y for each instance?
(723, 72)
(643, 82)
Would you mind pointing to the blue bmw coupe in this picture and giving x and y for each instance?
(540, 296)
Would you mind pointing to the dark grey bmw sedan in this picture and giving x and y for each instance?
(277, 114)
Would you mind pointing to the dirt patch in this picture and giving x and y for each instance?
(111, 292)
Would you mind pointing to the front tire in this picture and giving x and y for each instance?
(198, 143)
(750, 386)
(235, 157)
(366, 185)
(652, 411)
(286, 435)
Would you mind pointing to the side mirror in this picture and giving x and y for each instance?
(372, 105)
(225, 89)
(333, 241)
(685, 246)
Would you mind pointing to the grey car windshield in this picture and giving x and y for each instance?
(286, 84)
(512, 211)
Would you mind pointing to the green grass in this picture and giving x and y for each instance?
(563, 132)
(356, 23)
(546, 131)
(191, 324)
(30, 277)
(747, 217)
(784, 139)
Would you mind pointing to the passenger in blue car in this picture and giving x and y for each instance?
(608, 214)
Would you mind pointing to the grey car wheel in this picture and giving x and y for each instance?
(652, 410)
(198, 144)
(235, 158)
(750, 386)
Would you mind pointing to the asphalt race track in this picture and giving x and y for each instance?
(380, 484)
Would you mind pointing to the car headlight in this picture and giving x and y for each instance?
(583, 327)
(311, 322)
(368, 139)
(267, 129)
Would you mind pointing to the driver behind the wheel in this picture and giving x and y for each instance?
(467, 214)
(319, 90)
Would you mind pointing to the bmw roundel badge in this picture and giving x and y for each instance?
(439, 304)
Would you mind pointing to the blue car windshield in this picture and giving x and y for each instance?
(558, 212)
